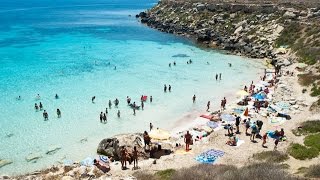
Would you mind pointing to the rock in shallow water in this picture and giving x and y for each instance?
(53, 149)
(4, 162)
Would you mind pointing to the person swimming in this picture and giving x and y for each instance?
(169, 64)
(59, 113)
(57, 97)
(118, 113)
(115, 67)
(45, 115)
(36, 107)
(18, 98)
(93, 98)
(220, 76)
(230, 65)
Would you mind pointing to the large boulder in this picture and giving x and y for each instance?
(111, 146)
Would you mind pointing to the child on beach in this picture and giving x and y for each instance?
(264, 138)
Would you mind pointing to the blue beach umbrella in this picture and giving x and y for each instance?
(259, 97)
(212, 124)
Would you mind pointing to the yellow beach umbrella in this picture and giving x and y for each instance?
(159, 134)
(242, 93)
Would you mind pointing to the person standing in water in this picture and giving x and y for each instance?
(101, 117)
(93, 98)
(106, 110)
(169, 88)
(220, 76)
(58, 113)
(115, 67)
(216, 77)
(40, 106)
(57, 97)
(169, 64)
(151, 126)
(208, 105)
(142, 105)
(36, 107)
(116, 102)
(110, 104)
(104, 117)
(45, 115)
(134, 110)
(128, 100)
(118, 113)
(165, 88)
(174, 63)
(194, 98)
(150, 99)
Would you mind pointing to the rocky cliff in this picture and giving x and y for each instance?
(250, 29)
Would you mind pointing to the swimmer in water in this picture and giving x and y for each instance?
(208, 63)
(38, 97)
(59, 113)
(57, 97)
(110, 104)
(118, 113)
(220, 76)
(115, 67)
(174, 63)
(93, 98)
(18, 98)
(230, 65)
(45, 115)
(40, 106)
(116, 102)
(169, 64)
(36, 107)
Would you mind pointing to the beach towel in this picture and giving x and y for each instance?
(210, 156)
(272, 135)
(283, 105)
(206, 116)
(228, 117)
(212, 124)
(276, 121)
(239, 142)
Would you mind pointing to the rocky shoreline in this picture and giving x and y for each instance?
(242, 29)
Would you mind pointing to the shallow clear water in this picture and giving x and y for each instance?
(65, 47)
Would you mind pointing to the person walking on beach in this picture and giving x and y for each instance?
(264, 138)
(254, 130)
(106, 110)
(110, 104)
(123, 154)
(216, 77)
(104, 117)
(165, 88)
(58, 113)
(146, 139)
(40, 106)
(45, 115)
(151, 126)
(93, 98)
(135, 157)
(150, 99)
(142, 105)
(187, 140)
(237, 124)
(118, 113)
(36, 107)
(208, 105)
(194, 98)
(101, 117)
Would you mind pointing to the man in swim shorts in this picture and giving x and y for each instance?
(187, 140)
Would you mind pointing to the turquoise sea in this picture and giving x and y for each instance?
(70, 48)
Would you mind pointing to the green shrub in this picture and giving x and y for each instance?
(165, 174)
(313, 141)
(315, 90)
(271, 156)
(313, 171)
(301, 152)
(311, 126)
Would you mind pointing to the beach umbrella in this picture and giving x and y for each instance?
(104, 159)
(246, 112)
(227, 117)
(259, 97)
(242, 93)
(159, 134)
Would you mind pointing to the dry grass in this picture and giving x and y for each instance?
(313, 171)
(271, 156)
(308, 79)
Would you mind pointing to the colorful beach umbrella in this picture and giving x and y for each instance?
(104, 159)
(159, 134)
